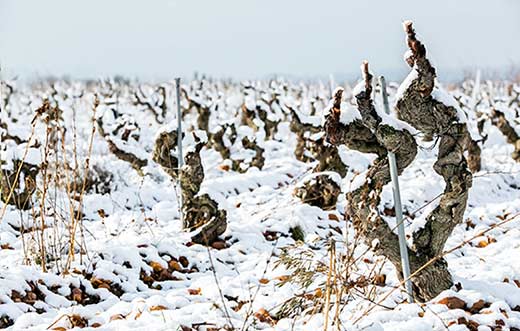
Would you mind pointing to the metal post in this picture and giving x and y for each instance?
(397, 203)
(476, 90)
(180, 158)
(331, 85)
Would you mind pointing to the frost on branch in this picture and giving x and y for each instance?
(311, 144)
(241, 151)
(352, 134)
(257, 160)
(421, 110)
(370, 134)
(218, 143)
(155, 103)
(162, 154)
(259, 113)
(200, 211)
(415, 103)
(202, 108)
(303, 130)
(123, 138)
(426, 106)
(321, 190)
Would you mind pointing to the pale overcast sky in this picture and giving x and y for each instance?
(251, 38)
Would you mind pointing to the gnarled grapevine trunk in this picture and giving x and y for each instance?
(17, 189)
(259, 159)
(216, 139)
(200, 211)
(420, 109)
(125, 132)
(367, 133)
(303, 132)
(18, 182)
(322, 190)
(499, 120)
(203, 111)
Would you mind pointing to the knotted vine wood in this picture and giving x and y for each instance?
(369, 134)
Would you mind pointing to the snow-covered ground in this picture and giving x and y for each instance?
(135, 269)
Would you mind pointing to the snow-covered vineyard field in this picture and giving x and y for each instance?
(134, 268)
(91, 235)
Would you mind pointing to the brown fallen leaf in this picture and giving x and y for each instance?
(100, 283)
(174, 265)
(156, 266)
(239, 306)
(263, 281)
(379, 280)
(101, 213)
(158, 307)
(482, 243)
(183, 260)
(194, 291)
(477, 306)
(224, 167)
(77, 321)
(453, 303)
(220, 244)
(77, 295)
(333, 217)
(263, 316)
(471, 325)
(165, 275)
